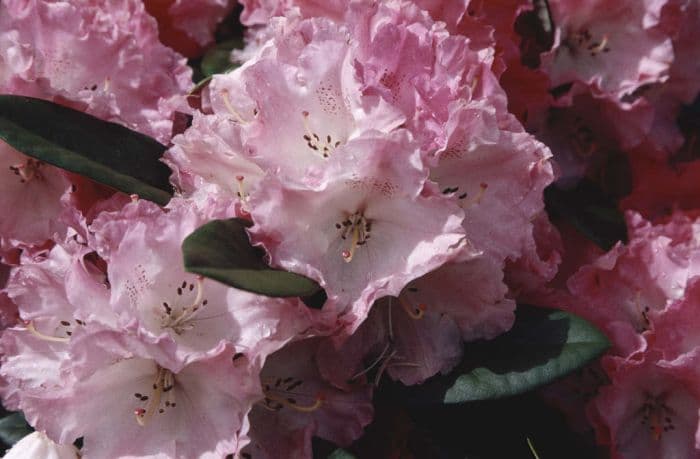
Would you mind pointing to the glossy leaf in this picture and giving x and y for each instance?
(542, 346)
(106, 152)
(222, 251)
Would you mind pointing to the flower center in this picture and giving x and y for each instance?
(160, 398)
(280, 393)
(465, 201)
(183, 318)
(656, 415)
(321, 145)
(641, 322)
(357, 229)
(28, 170)
(65, 328)
(585, 41)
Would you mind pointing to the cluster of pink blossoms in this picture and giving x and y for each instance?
(396, 152)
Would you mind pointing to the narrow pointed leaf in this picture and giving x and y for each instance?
(543, 345)
(106, 152)
(222, 251)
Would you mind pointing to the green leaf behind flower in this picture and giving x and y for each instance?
(106, 152)
(218, 58)
(13, 428)
(543, 345)
(222, 251)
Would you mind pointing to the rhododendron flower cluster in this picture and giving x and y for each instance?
(397, 155)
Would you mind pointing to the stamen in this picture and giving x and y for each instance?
(597, 48)
(373, 364)
(242, 195)
(229, 107)
(163, 384)
(349, 254)
(293, 404)
(383, 367)
(55, 339)
(178, 323)
(643, 312)
(474, 82)
(27, 170)
(465, 203)
(656, 415)
(325, 147)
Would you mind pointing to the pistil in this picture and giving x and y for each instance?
(358, 228)
(181, 319)
(163, 384)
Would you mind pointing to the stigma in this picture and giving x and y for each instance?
(357, 229)
(160, 398)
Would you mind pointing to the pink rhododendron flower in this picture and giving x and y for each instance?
(210, 155)
(420, 332)
(486, 176)
(624, 290)
(649, 411)
(124, 322)
(258, 12)
(366, 229)
(299, 404)
(397, 153)
(616, 48)
(311, 103)
(675, 334)
(39, 445)
(103, 58)
(416, 66)
(30, 192)
(587, 131)
(131, 398)
(142, 245)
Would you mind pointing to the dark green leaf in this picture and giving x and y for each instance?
(218, 59)
(542, 345)
(589, 210)
(222, 251)
(13, 428)
(105, 152)
(340, 454)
